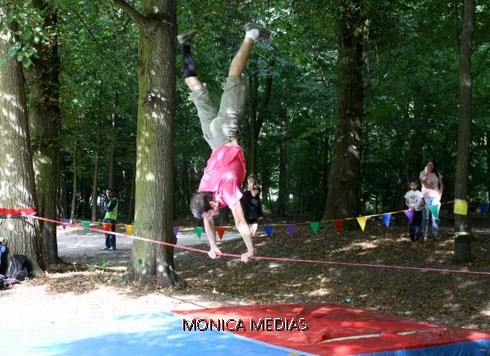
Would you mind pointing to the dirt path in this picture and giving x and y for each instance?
(82, 295)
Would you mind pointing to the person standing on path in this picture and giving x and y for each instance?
(110, 206)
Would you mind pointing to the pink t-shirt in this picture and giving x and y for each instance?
(430, 185)
(224, 173)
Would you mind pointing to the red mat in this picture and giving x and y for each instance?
(329, 329)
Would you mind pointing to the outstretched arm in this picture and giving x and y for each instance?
(214, 251)
(244, 230)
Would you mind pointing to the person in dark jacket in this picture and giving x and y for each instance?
(252, 208)
(109, 216)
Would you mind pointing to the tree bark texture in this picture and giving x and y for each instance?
(462, 246)
(17, 183)
(153, 263)
(343, 193)
(42, 79)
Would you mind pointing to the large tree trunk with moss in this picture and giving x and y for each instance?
(153, 263)
(344, 177)
(42, 79)
(258, 113)
(16, 169)
(462, 242)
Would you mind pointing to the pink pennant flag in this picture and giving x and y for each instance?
(409, 213)
(220, 231)
(291, 228)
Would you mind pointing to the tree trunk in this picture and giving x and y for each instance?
(283, 186)
(257, 115)
(462, 243)
(154, 263)
(95, 175)
(74, 183)
(18, 189)
(42, 79)
(344, 177)
(112, 150)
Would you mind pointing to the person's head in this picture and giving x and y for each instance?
(109, 192)
(204, 205)
(252, 179)
(431, 165)
(414, 184)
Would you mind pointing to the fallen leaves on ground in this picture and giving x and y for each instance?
(454, 299)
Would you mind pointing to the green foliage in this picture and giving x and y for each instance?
(25, 22)
(101, 264)
(410, 104)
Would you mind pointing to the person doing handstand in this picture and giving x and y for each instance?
(225, 169)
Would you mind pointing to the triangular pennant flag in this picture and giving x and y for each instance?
(198, 231)
(314, 226)
(176, 230)
(338, 224)
(361, 220)
(483, 208)
(291, 228)
(220, 231)
(85, 225)
(434, 209)
(268, 230)
(409, 213)
(64, 222)
(386, 219)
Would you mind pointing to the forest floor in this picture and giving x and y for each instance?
(92, 283)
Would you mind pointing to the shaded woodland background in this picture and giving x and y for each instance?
(410, 105)
(84, 66)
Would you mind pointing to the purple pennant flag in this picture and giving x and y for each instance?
(386, 219)
(176, 230)
(409, 213)
(291, 228)
(64, 222)
(483, 208)
(268, 230)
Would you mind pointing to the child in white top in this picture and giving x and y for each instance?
(415, 201)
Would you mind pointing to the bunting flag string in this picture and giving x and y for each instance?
(16, 213)
(460, 207)
(279, 259)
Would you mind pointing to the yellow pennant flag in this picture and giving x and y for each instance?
(460, 207)
(361, 220)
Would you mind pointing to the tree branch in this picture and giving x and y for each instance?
(139, 19)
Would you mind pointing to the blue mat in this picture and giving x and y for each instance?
(145, 334)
